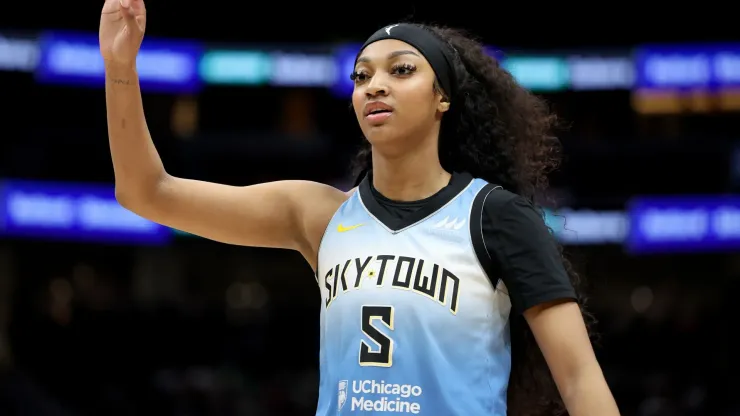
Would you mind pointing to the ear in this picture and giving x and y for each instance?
(443, 105)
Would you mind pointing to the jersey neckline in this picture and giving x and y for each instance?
(458, 182)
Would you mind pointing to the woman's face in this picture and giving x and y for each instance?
(394, 97)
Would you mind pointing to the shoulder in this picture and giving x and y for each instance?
(507, 218)
(498, 205)
(318, 203)
(309, 191)
(507, 213)
(314, 199)
(498, 197)
(321, 201)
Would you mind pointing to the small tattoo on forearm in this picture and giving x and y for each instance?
(119, 81)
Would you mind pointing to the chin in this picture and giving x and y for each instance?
(382, 135)
(390, 144)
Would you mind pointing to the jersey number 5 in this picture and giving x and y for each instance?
(383, 355)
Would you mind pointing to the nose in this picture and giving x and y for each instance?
(376, 87)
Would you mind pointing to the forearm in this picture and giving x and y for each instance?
(588, 394)
(137, 166)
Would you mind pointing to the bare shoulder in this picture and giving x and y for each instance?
(318, 204)
(323, 195)
(317, 201)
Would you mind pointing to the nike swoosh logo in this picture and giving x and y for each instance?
(343, 229)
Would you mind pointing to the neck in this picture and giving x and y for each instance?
(415, 175)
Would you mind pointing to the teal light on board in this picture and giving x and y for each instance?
(236, 68)
(539, 73)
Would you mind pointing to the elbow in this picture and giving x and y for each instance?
(129, 200)
(138, 198)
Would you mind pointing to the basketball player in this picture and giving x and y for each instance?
(427, 267)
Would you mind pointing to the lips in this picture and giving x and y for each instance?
(377, 107)
(377, 119)
(378, 112)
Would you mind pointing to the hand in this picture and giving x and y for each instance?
(122, 24)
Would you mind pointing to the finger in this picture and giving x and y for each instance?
(141, 22)
(110, 6)
(138, 6)
(129, 16)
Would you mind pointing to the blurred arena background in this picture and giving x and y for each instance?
(103, 313)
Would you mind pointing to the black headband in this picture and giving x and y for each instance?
(435, 50)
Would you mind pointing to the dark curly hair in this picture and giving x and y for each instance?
(498, 131)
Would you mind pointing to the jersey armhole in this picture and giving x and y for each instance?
(326, 230)
(489, 265)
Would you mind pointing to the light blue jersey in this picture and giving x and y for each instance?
(410, 322)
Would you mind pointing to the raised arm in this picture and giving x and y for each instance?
(287, 214)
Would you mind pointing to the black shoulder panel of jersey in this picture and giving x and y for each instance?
(491, 267)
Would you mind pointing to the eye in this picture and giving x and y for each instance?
(358, 76)
(403, 69)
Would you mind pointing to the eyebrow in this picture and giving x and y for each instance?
(390, 55)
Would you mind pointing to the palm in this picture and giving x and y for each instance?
(121, 30)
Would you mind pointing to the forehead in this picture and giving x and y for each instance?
(386, 48)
